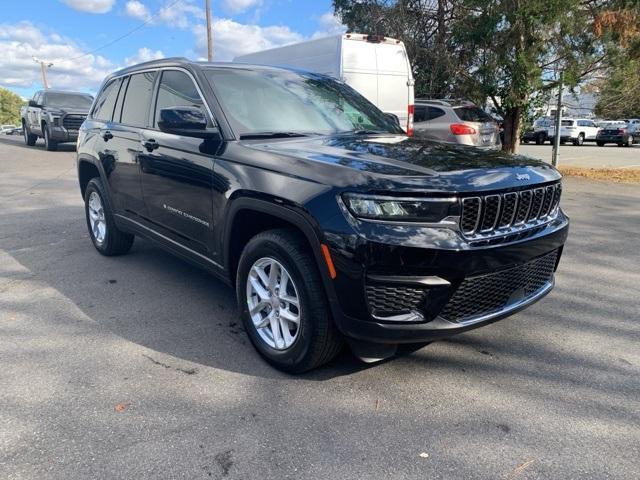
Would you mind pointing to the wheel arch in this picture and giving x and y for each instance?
(248, 216)
(89, 168)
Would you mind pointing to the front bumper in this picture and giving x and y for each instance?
(445, 263)
(61, 134)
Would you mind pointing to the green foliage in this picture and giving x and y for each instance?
(10, 104)
(620, 93)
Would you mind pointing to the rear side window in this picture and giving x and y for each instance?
(472, 114)
(106, 101)
(176, 90)
(433, 113)
(567, 123)
(135, 109)
(420, 114)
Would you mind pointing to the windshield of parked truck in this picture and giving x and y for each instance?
(258, 101)
(67, 100)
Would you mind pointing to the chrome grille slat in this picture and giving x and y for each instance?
(499, 214)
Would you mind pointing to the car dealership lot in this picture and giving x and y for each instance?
(136, 367)
(588, 155)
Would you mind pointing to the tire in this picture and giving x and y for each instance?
(540, 139)
(29, 138)
(629, 142)
(600, 144)
(49, 145)
(313, 340)
(579, 141)
(113, 241)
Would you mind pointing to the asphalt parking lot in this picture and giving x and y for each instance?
(588, 155)
(136, 367)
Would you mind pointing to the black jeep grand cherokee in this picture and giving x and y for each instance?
(330, 222)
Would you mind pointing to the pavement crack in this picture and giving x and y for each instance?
(186, 371)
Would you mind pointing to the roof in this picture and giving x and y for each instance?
(66, 92)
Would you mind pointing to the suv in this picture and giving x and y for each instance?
(330, 222)
(455, 122)
(54, 115)
(576, 131)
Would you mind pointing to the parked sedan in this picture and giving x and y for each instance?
(621, 135)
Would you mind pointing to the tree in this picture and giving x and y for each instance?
(10, 104)
(620, 92)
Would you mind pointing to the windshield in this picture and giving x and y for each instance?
(68, 100)
(262, 101)
(472, 114)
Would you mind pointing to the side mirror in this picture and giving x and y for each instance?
(393, 118)
(32, 103)
(185, 121)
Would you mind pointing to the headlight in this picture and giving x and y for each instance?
(400, 209)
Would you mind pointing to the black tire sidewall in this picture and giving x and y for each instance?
(300, 348)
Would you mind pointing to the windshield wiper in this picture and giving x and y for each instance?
(365, 132)
(258, 135)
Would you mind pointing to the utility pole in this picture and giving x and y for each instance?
(43, 71)
(209, 32)
(556, 138)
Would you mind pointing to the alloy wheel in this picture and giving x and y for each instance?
(273, 303)
(97, 219)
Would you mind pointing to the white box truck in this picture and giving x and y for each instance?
(377, 67)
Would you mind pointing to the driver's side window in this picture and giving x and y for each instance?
(177, 90)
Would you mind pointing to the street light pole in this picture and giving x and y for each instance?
(209, 31)
(556, 138)
(43, 71)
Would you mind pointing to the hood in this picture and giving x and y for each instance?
(407, 163)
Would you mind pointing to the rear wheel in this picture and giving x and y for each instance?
(540, 139)
(282, 303)
(29, 138)
(104, 233)
(629, 141)
(600, 144)
(50, 145)
(579, 141)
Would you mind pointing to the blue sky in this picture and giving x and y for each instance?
(63, 31)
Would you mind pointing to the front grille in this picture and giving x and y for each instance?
(73, 122)
(386, 300)
(485, 294)
(498, 214)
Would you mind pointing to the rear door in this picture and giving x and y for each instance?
(177, 171)
(395, 82)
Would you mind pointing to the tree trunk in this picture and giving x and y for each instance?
(512, 129)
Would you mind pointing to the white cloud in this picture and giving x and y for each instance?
(137, 9)
(91, 6)
(144, 54)
(231, 38)
(328, 25)
(239, 6)
(20, 42)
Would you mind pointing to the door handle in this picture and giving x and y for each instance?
(150, 145)
(107, 135)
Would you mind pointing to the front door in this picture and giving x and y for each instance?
(177, 171)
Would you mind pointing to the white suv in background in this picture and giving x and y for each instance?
(575, 130)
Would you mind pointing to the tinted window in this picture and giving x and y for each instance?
(567, 123)
(434, 113)
(136, 101)
(68, 100)
(472, 114)
(258, 101)
(176, 90)
(106, 101)
(420, 114)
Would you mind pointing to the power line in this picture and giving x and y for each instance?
(130, 32)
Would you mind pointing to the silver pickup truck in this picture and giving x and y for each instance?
(55, 116)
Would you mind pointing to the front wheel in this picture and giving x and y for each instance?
(105, 235)
(579, 141)
(282, 303)
(50, 145)
(29, 138)
(540, 139)
(600, 144)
